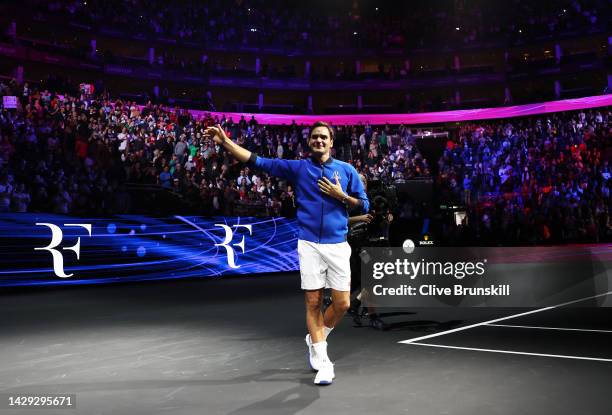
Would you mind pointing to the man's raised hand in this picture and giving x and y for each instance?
(216, 133)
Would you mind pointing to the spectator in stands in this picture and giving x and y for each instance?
(165, 178)
(6, 190)
(20, 199)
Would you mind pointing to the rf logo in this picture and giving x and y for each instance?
(229, 235)
(56, 239)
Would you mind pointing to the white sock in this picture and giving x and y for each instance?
(326, 331)
(320, 350)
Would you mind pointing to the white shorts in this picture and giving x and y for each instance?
(325, 265)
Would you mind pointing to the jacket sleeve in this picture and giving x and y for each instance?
(355, 189)
(286, 169)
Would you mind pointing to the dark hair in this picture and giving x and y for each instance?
(323, 124)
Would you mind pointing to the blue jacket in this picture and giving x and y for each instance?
(321, 219)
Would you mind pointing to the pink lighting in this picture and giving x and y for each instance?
(426, 117)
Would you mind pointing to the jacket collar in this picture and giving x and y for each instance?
(328, 162)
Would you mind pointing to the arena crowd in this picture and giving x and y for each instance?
(539, 179)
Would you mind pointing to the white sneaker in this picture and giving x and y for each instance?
(311, 355)
(325, 375)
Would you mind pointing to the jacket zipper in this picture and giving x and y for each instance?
(322, 203)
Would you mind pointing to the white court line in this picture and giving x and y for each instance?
(476, 349)
(549, 328)
(471, 326)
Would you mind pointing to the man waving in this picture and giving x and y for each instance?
(325, 189)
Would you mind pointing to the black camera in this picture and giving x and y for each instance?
(370, 234)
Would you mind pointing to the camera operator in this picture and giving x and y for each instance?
(372, 230)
